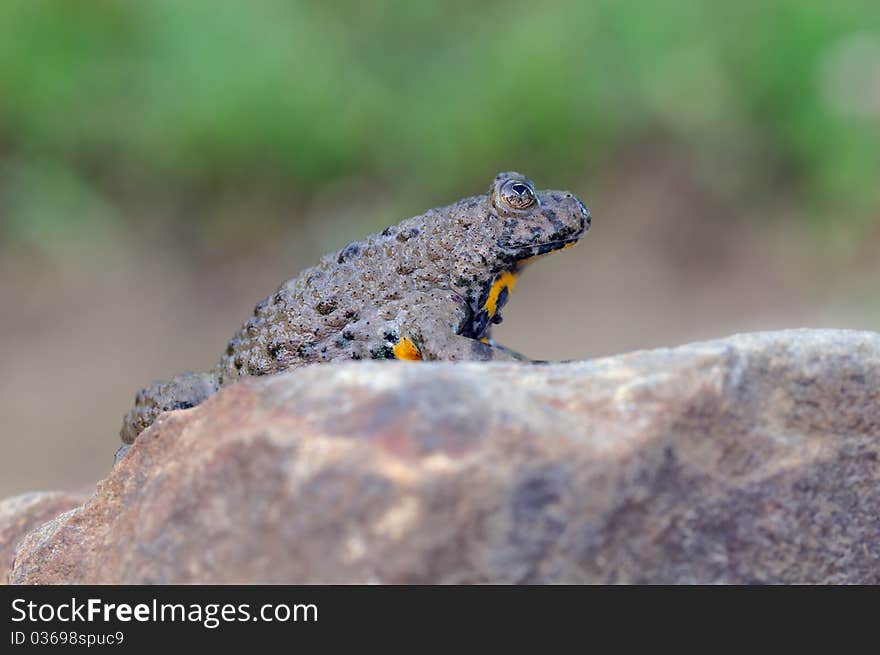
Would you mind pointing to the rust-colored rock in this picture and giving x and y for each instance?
(21, 514)
(749, 459)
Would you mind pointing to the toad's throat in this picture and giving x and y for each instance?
(498, 292)
(489, 309)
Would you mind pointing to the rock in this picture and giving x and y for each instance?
(752, 459)
(21, 514)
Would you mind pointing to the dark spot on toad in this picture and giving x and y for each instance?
(326, 307)
(382, 352)
(349, 251)
(406, 235)
(477, 327)
(277, 349)
(305, 349)
(502, 299)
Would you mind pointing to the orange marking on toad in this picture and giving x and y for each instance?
(505, 280)
(406, 349)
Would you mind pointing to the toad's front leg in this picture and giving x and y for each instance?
(428, 331)
(455, 347)
(434, 343)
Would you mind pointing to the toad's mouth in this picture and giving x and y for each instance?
(520, 252)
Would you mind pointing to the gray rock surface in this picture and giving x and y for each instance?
(749, 459)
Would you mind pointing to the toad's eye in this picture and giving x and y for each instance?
(518, 194)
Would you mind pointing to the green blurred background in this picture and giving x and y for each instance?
(165, 164)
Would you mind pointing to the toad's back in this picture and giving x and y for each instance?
(428, 288)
